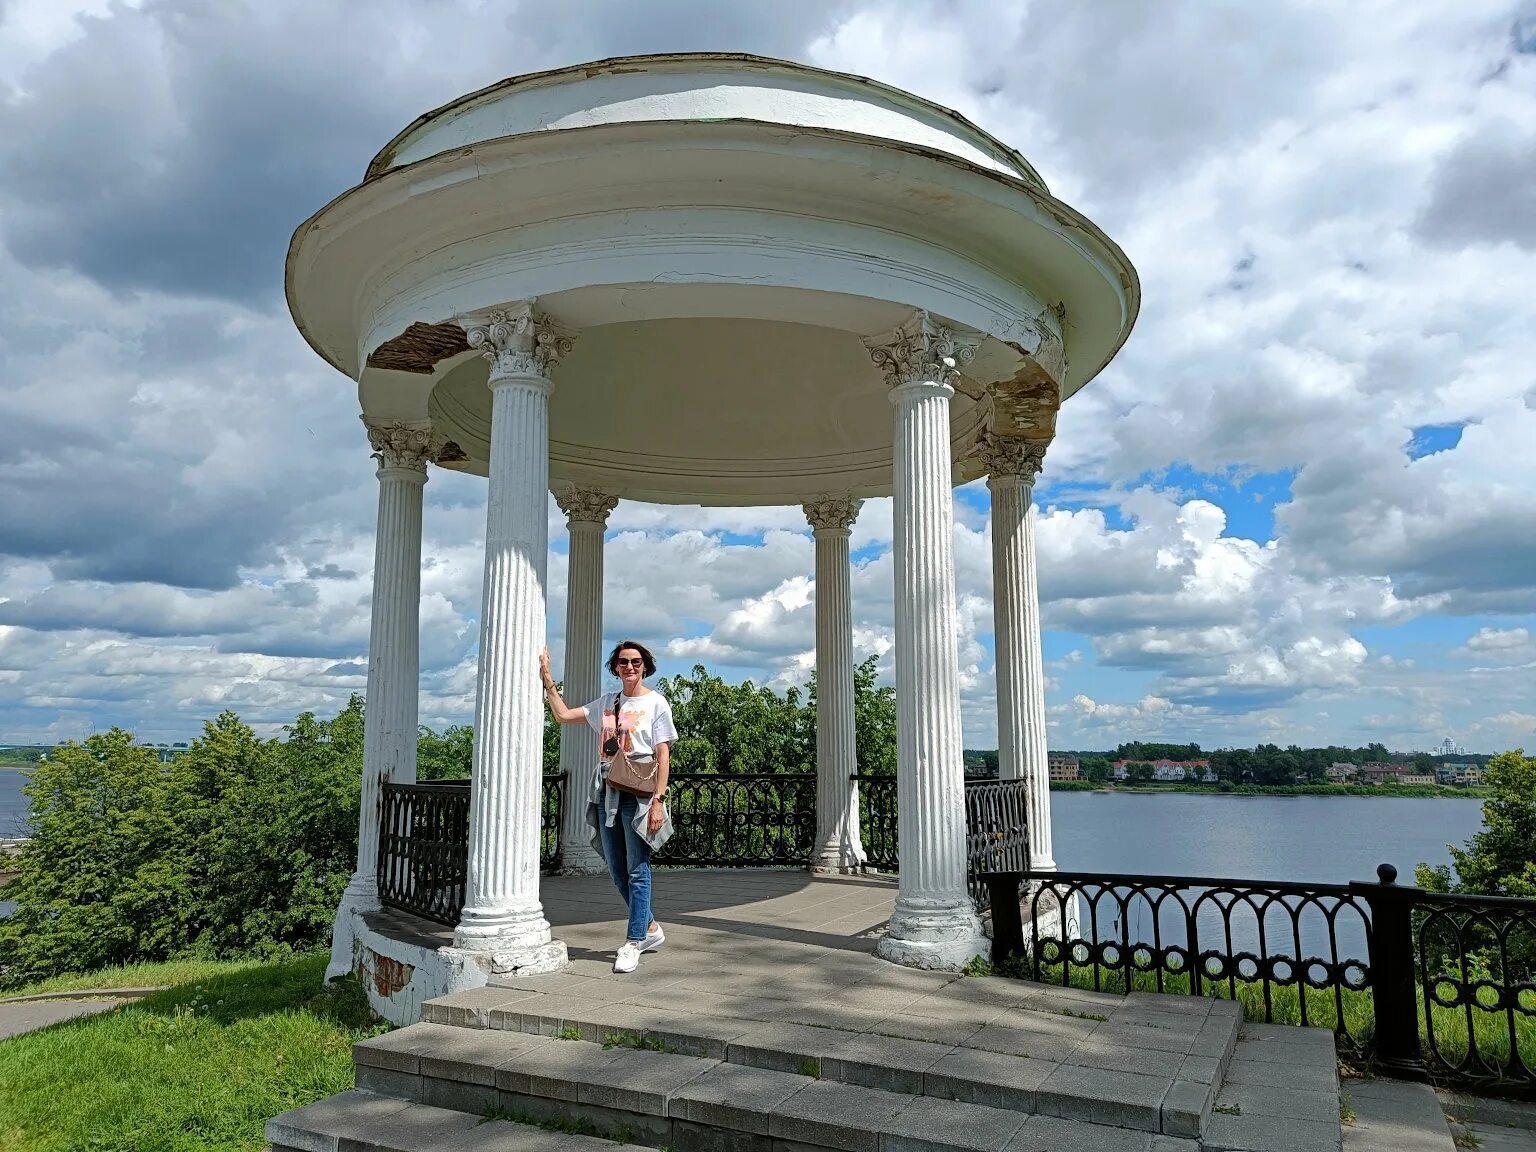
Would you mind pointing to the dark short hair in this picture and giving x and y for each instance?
(645, 654)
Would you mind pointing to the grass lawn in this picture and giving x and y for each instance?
(200, 1066)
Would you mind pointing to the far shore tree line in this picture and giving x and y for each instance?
(241, 845)
(1263, 766)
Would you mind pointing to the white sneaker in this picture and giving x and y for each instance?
(653, 940)
(628, 958)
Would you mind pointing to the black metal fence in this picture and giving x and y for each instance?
(996, 823)
(747, 820)
(877, 820)
(423, 847)
(719, 821)
(424, 844)
(1417, 983)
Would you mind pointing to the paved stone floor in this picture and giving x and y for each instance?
(1493, 1125)
(714, 910)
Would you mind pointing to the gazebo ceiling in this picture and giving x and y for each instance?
(722, 233)
(712, 408)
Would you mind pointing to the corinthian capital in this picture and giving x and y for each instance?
(585, 504)
(921, 351)
(399, 445)
(517, 340)
(832, 512)
(1012, 456)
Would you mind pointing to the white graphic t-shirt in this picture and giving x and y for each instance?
(644, 722)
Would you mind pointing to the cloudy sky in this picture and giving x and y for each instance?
(1300, 506)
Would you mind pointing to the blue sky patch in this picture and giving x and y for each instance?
(1427, 439)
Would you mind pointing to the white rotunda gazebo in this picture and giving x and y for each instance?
(705, 279)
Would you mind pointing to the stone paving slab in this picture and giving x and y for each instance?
(991, 1078)
(1268, 1105)
(1051, 1134)
(1393, 1116)
(1096, 1096)
(929, 1125)
(837, 1116)
(735, 1096)
(1269, 1134)
(356, 1121)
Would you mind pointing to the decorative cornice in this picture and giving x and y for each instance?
(400, 445)
(1012, 456)
(920, 351)
(585, 504)
(517, 340)
(832, 512)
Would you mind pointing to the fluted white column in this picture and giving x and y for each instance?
(838, 846)
(934, 923)
(586, 512)
(1021, 738)
(502, 914)
(394, 668)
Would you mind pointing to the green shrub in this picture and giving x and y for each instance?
(239, 847)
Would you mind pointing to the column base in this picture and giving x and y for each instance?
(836, 861)
(506, 959)
(580, 860)
(514, 943)
(817, 868)
(941, 935)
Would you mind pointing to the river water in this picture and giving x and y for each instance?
(1324, 839)
(13, 805)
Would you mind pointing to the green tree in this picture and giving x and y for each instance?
(100, 879)
(240, 846)
(1095, 769)
(1139, 772)
(449, 755)
(874, 720)
(1500, 860)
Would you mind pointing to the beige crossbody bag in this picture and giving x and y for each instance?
(623, 773)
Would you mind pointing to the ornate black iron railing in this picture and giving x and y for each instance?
(997, 832)
(996, 827)
(1419, 983)
(736, 821)
(423, 848)
(877, 820)
(550, 805)
(1194, 934)
(719, 821)
(424, 844)
(1477, 969)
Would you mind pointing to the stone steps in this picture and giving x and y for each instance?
(435, 1083)
(1152, 1064)
(978, 1065)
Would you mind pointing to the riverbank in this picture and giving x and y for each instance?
(1415, 791)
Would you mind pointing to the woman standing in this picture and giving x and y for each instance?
(635, 724)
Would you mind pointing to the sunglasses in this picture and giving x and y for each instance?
(622, 663)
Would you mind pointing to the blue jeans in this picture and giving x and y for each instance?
(629, 863)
